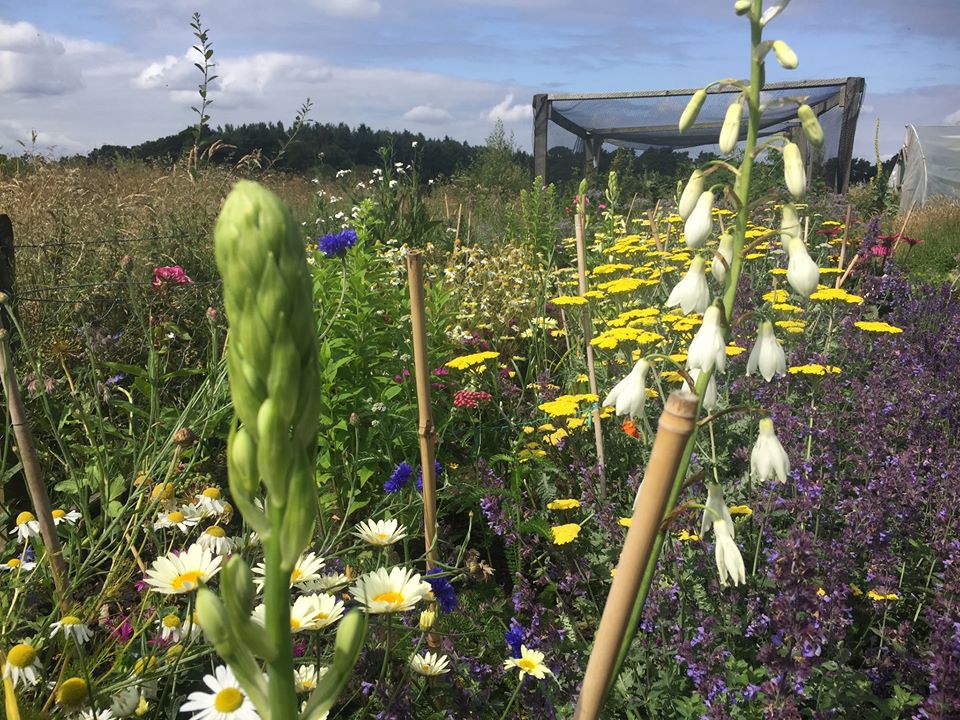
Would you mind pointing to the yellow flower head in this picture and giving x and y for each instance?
(878, 327)
(563, 534)
(465, 361)
(563, 504)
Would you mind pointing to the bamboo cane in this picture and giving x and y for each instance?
(425, 429)
(31, 470)
(843, 245)
(587, 334)
(674, 428)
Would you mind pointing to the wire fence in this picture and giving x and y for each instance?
(99, 241)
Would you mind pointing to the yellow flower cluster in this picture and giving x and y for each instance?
(465, 361)
(563, 504)
(877, 327)
(813, 369)
(881, 597)
(609, 339)
(563, 534)
(569, 300)
(825, 293)
(567, 405)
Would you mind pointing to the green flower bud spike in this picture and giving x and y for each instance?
(810, 124)
(785, 55)
(690, 113)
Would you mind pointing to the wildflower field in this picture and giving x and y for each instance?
(255, 520)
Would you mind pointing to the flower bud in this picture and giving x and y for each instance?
(785, 56)
(789, 225)
(213, 619)
(793, 172)
(802, 272)
(689, 116)
(730, 131)
(697, 228)
(810, 124)
(742, 7)
(717, 268)
(691, 193)
(427, 618)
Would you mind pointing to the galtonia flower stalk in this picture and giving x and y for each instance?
(692, 293)
(716, 515)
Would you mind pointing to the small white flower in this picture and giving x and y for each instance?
(210, 502)
(306, 570)
(691, 193)
(182, 518)
(430, 664)
(388, 591)
(175, 574)
(305, 677)
(71, 627)
(62, 516)
(692, 293)
(215, 539)
(727, 554)
(17, 565)
(707, 349)
(789, 224)
(124, 702)
(226, 701)
(697, 228)
(325, 583)
(393, 183)
(380, 532)
(27, 526)
(630, 394)
(91, 714)
(22, 664)
(767, 355)
(768, 458)
(717, 268)
(802, 272)
(730, 130)
(709, 394)
(785, 55)
(530, 662)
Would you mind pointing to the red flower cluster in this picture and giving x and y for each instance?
(169, 276)
(470, 398)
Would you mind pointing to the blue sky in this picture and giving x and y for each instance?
(90, 72)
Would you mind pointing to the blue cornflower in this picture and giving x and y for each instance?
(442, 590)
(400, 477)
(438, 468)
(337, 244)
(515, 637)
(116, 378)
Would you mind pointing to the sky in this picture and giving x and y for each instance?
(84, 73)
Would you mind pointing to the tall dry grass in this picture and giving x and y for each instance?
(937, 225)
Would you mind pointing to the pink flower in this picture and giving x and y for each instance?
(170, 275)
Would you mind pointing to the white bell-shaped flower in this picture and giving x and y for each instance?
(707, 349)
(716, 515)
(717, 268)
(767, 355)
(692, 293)
(789, 224)
(691, 193)
(793, 171)
(629, 395)
(709, 394)
(697, 228)
(802, 272)
(768, 458)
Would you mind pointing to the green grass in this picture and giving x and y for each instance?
(937, 257)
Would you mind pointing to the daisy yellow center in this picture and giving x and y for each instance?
(163, 491)
(294, 623)
(70, 620)
(21, 655)
(187, 580)
(171, 621)
(228, 700)
(13, 563)
(175, 517)
(72, 692)
(212, 493)
(527, 664)
(25, 517)
(58, 513)
(390, 597)
(296, 575)
(322, 616)
(425, 667)
(382, 535)
(216, 531)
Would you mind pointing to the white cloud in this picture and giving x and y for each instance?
(427, 114)
(348, 8)
(953, 118)
(508, 112)
(34, 63)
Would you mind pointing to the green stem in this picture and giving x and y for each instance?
(283, 699)
(510, 702)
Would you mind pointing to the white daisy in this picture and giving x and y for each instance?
(305, 677)
(430, 664)
(304, 571)
(380, 532)
(22, 664)
(89, 714)
(530, 662)
(309, 612)
(17, 564)
(71, 628)
(215, 539)
(27, 526)
(182, 518)
(330, 581)
(387, 591)
(173, 574)
(62, 516)
(210, 502)
(171, 627)
(227, 701)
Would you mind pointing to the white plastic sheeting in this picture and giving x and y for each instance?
(929, 165)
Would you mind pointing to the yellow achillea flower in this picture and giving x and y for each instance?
(821, 592)
(621, 285)
(594, 294)
(813, 369)
(791, 326)
(609, 268)
(465, 361)
(563, 534)
(855, 590)
(787, 307)
(880, 597)
(684, 536)
(575, 422)
(642, 316)
(626, 521)
(609, 339)
(878, 327)
(734, 350)
(569, 300)
(671, 376)
(563, 504)
(776, 296)
(546, 427)
(567, 405)
(744, 510)
(753, 256)
(827, 293)
(555, 437)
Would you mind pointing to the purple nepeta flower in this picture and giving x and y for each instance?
(399, 478)
(442, 590)
(337, 244)
(515, 636)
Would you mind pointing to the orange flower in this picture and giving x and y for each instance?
(630, 428)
